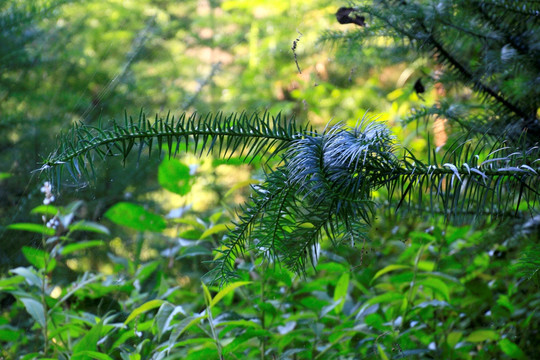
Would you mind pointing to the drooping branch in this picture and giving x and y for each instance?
(249, 135)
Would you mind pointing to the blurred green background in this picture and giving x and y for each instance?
(67, 62)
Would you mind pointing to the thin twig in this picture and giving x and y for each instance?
(293, 48)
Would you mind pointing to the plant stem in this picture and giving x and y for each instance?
(212, 328)
(138, 249)
(263, 342)
(410, 297)
(45, 328)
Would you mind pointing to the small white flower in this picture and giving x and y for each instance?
(53, 223)
(47, 190)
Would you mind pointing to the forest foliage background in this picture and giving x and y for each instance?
(115, 266)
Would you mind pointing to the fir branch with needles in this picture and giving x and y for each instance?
(324, 186)
(488, 46)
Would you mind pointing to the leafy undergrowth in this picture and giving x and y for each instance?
(412, 291)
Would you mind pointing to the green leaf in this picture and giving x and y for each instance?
(174, 176)
(162, 318)
(33, 356)
(207, 295)
(314, 303)
(243, 339)
(10, 335)
(89, 226)
(94, 355)
(231, 287)
(29, 275)
(375, 320)
(45, 210)
(9, 282)
(146, 270)
(135, 217)
(482, 335)
(35, 309)
(5, 175)
(68, 249)
(434, 303)
(453, 338)
(436, 285)
(504, 300)
(214, 218)
(426, 265)
(152, 304)
(36, 228)
(123, 338)
(88, 342)
(340, 292)
(232, 324)
(184, 326)
(214, 230)
(388, 269)
(333, 267)
(36, 257)
(240, 185)
(511, 349)
(386, 298)
(194, 251)
(381, 352)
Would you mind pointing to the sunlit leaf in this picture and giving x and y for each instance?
(215, 230)
(49, 210)
(83, 245)
(437, 286)
(453, 338)
(135, 217)
(240, 185)
(214, 218)
(37, 228)
(482, 335)
(10, 282)
(89, 226)
(388, 269)
(381, 352)
(225, 291)
(174, 176)
(152, 304)
(238, 324)
(386, 298)
(341, 291)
